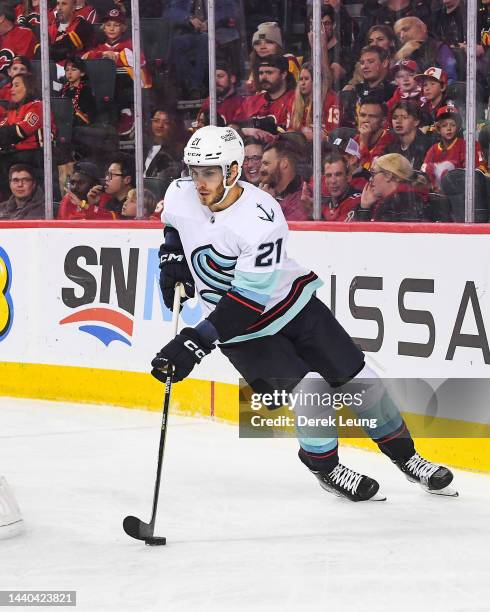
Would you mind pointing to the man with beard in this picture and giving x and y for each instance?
(229, 101)
(410, 141)
(265, 113)
(279, 178)
(74, 204)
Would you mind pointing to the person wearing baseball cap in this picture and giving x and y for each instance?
(266, 41)
(351, 152)
(266, 113)
(74, 204)
(450, 152)
(395, 192)
(407, 88)
(434, 84)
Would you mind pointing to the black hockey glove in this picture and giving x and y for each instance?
(183, 352)
(173, 270)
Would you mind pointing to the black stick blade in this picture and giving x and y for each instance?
(142, 531)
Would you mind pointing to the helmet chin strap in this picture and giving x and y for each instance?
(227, 187)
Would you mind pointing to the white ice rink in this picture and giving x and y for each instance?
(247, 527)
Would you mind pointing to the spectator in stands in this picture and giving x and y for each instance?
(342, 198)
(300, 112)
(346, 29)
(129, 206)
(254, 150)
(21, 128)
(434, 83)
(265, 113)
(106, 201)
(410, 141)
(407, 87)
(86, 11)
(15, 40)
(337, 59)
(373, 137)
(375, 69)
(267, 41)
(74, 204)
(381, 36)
(77, 88)
(27, 198)
(118, 47)
(69, 34)
(27, 16)
(483, 49)
(19, 65)
(448, 22)
(229, 101)
(423, 49)
(279, 177)
(395, 192)
(165, 146)
(450, 152)
(351, 152)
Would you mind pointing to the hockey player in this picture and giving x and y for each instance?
(227, 240)
(11, 522)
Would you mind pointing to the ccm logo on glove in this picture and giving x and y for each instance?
(171, 257)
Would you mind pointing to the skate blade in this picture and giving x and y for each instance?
(446, 492)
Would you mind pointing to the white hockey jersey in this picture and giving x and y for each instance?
(243, 249)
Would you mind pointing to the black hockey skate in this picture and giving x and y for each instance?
(432, 477)
(344, 482)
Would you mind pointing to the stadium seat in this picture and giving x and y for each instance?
(157, 186)
(55, 85)
(439, 208)
(156, 38)
(102, 77)
(62, 109)
(457, 93)
(453, 185)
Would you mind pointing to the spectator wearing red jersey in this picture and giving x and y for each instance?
(351, 152)
(106, 201)
(15, 40)
(300, 112)
(69, 34)
(74, 204)
(407, 87)
(21, 128)
(450, 152)
(279, 177)
(395, 193)
(118, 47)
(86, 11)
(264, 114)
(229, 101)
(27, 15)
(342, 198)
(19, 65)
(373, 137)
(27, 198)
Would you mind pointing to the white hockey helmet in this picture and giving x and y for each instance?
(216, 146)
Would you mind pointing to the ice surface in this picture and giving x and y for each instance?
(247, 527)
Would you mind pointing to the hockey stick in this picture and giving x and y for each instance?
(133, 526)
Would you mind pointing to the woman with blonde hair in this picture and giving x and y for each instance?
(395, 192)
(129, 207)
(300, 114)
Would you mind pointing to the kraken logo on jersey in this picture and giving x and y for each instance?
(215, 270)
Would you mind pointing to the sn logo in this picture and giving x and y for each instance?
(6, 308)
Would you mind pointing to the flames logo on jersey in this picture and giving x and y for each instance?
(215, 270)
(6, 57)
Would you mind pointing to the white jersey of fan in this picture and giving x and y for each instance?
(242, 248)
